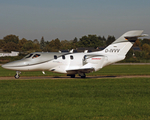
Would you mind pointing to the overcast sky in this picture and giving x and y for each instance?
(67, 19)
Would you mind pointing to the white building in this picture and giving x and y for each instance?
(13, 53)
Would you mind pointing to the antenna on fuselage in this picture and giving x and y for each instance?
(71, 51)
(85, 51)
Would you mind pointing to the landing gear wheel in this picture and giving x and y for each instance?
(16, 76)
(83, 76)
(72, 76)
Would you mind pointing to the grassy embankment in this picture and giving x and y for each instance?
(111, 70)
(75, 99)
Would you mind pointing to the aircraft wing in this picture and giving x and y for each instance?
(81, 70)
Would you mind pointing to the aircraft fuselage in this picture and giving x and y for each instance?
(76, 63)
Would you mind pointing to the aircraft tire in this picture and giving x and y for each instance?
(72, 76)
(16, 76)
(83, 76)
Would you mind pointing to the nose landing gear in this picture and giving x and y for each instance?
(17, 74)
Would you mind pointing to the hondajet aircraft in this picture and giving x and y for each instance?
(76, 63)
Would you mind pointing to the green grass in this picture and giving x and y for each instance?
(75, 99)
(109, 70)
(123, 70)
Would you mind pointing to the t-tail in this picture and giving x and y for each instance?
(118, 49)
(123, 44)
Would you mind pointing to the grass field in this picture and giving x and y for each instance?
(75, 99)
(109, 70)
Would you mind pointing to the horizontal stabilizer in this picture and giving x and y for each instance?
(144, 35)
(130, 34)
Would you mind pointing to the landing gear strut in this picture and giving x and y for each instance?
(82, 75)
(17, 74)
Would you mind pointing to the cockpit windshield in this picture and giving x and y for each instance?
(28, 56)
(32, 55)
(35, 56)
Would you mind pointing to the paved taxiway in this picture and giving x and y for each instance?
(66, 77)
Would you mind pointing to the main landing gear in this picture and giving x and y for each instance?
(17, 74)
(72, 76)
(82, 75)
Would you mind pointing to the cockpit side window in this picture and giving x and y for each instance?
(36, 55)
(28, 56)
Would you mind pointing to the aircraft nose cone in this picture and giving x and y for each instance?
(7, 65)
(15, 65)
(3, 66)
(10, 65)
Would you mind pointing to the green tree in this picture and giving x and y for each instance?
(137, 43)
(42, 43)
(110, 39)
(146, 48)
(2, 43)
(145, 41)
(35, 41)
(140, 55)
(65, 45)
(84, 42)
(28, 46)
(21, 43)
(74, 43)
(102, 41)
(90, 41)
(11, 38)
(57, 43)
(36, 45)
(54, 45)
(47, 48)
(10, 46)
(94, 41)
(75, 40)
(129, 54)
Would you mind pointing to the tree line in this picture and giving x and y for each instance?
(13, 43)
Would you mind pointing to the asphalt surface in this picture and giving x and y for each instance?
(66, 77)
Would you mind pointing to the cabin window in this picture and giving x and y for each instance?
(71, 57)
(36, 56)
(63, 56)
(55, 56)
(28, 56)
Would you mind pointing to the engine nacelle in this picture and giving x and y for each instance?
(97, 62)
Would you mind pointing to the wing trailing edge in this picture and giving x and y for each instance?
(82, 70)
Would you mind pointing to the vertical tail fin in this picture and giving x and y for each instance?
(123, 44)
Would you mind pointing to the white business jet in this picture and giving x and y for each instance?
(76, 63)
